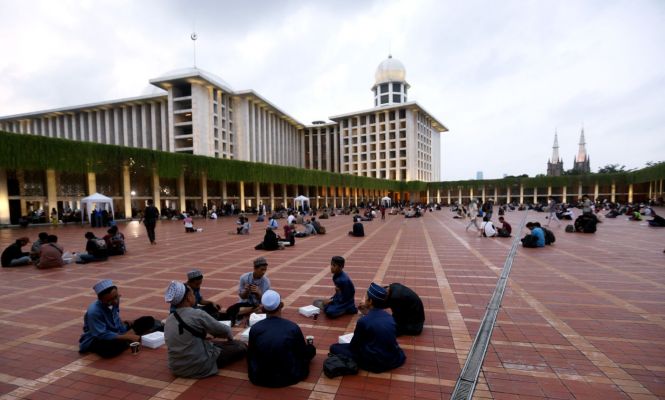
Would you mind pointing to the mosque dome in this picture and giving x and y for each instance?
(390, 70)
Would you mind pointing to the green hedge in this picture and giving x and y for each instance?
(23, 151)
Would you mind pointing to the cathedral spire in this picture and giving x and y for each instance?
(555, 149)
(581, 152)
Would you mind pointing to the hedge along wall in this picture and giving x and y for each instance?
(30, 152)
(649, 174)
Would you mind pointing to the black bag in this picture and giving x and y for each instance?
(549, 236)
(570, 228)
(337, 365)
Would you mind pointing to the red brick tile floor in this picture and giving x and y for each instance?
(582, 319)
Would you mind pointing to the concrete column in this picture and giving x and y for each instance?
(355, 196)
(459, 195)
(508, 194)
(257, 191)
(204, 188)
(51, 191)
(341, 199)
(241, 189)
(438, 195)
(579, 191)
(285, 197)
(181, 191)
(127, 192)
(316, 194)
(427, 196)
(549, 191)
(613, 195)
(449, 197)
(222, 188)
(595, 191)
(535, 195)
(334, 193)
(564, 194)
(21, 184)
(325, 194)
(92, 183)
(4, 198)
(470, 194)
(650, 189)
(496, 194)
(156, 196)
(630, 193)
(521, 193)
(272, 196)
(483, 193)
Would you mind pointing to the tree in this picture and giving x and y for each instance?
(611, 169)
(653, 163)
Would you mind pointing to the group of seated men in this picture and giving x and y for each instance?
(277, 352)
(45, 253)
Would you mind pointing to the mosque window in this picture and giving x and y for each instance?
(397, 98)
(372, 118)
(384, 88)
(384, 98)
(402, 113)
(397, 87)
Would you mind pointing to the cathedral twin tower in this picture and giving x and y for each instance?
(581, 164)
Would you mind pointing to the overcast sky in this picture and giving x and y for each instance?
(501, 75)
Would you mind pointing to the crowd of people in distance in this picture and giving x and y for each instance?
(277, 353)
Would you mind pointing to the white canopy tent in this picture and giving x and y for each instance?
(95, 199)
(302, 200)
(386, 201)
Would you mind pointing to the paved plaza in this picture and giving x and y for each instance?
(582, 319)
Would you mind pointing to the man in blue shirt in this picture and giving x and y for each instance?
(343, 302)
(250, 289)
(536, 238)
(374, 345)
(277, 354)
(104, 332)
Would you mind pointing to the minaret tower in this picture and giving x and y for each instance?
(555, 164)
(390, 85)
(582, 165)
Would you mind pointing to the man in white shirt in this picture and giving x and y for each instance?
(487, 228)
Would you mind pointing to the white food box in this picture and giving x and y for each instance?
(254, 318)
(309, 311)
(153, 340)
(227, 323)
(344, 339)
(244, 335)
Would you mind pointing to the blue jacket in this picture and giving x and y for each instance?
(374, 344)
(100, 322)
(276, 353)
(343, 301)
(540, 234)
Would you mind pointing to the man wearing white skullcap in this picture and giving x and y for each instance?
(104, 332)
(194, 281)
(277, 354)
(374, 345)
(185, 331)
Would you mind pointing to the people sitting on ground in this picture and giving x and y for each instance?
(272, 222)
(487, 228)
(308, 231)
(95, 250)
(291, 219)
(194, 282)
(636, 216)
(14, 256)
(534, 239)
(549, 235)
(270, 241)
(34, 249)
(115, 241)
(250, 289)
(189, 223)
(243, 225)
(505, 230)
(277, 354)
(104, 333)
(358, 229)
(566, 213)
(374, 344)
(321, 230)
(407, 309)
(50, 254)
(586, 223)
(342, 302)
(657, 220)
(190, 354)
(289, 238)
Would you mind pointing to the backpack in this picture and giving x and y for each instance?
(549, 236)
(101, 244)
(337, 365)
(570, 228)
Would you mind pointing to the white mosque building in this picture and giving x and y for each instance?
(196, 112)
